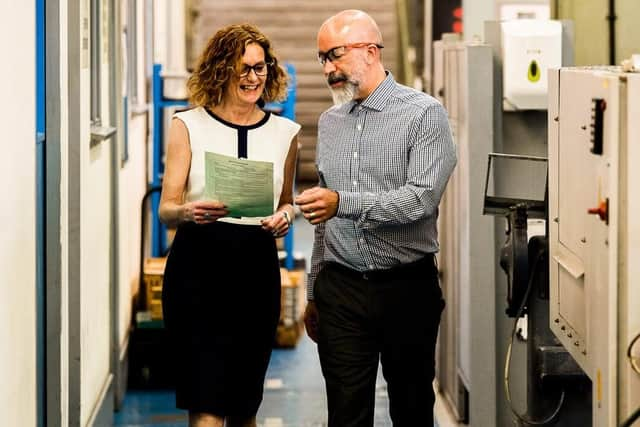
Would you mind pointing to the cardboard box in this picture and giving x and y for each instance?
(292, 305)
(153, 275)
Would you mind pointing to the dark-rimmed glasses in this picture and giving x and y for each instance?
(338, 51)
(261, 69)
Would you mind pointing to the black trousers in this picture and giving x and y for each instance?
(388, 316)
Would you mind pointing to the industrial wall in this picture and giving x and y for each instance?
(590, 22)
(132, 183)
(17, 216)
(61, 409)
(592, 29)
(100, 193)
(94, 230)
(627, 34)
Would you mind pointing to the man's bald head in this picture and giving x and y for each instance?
(349, 46)
(351, 26)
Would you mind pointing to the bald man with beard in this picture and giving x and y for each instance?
(384, 157)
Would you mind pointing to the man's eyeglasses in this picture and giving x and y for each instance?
(261, 69)
(338, 51)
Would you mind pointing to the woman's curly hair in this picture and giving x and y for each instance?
(217, 63)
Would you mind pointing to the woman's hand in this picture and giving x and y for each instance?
(203, 211)
(277, 224)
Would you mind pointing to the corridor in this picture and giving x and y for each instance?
(294, 389)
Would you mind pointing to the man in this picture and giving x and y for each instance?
(384, 156)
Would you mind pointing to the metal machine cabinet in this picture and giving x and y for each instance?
(466, 353)
(594, 154)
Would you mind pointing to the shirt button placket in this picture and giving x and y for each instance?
(357, 137)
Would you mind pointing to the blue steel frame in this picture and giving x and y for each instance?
(40, 112)
(159, 230)
(287, 109)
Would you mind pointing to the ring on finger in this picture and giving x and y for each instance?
(312, 214)
(207, 215)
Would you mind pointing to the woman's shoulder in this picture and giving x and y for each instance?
(285, 123)
(191, 112)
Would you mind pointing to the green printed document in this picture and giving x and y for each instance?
(244, 186)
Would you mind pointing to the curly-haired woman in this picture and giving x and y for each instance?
(221, 291)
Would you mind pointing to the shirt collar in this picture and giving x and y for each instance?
(378, 98)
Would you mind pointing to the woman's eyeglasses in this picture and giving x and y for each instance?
(339, 51)
(261, 69)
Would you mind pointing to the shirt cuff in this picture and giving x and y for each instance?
(350, 205)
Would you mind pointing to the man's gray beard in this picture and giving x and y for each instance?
(343, 94)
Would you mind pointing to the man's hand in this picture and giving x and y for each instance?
(311, 320)
(318, 204)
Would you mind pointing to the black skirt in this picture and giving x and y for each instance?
(221, 305)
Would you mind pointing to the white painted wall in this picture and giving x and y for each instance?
(132, 188)
(95, 229)
(95, 223)
(95, 272)
(17, 250)
(64, 214)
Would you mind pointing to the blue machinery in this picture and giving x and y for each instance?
(159, 230)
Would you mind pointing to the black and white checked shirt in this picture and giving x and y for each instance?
(389, 158)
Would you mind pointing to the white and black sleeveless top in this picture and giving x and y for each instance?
(268, 140)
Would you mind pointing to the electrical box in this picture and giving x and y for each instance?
(529, 49)
(595, 228)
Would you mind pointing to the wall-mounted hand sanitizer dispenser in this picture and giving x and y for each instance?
(529, 48)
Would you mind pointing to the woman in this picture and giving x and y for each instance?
(221, 291)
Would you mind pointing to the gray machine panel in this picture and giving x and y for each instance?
(594, 234)
(466, 354)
